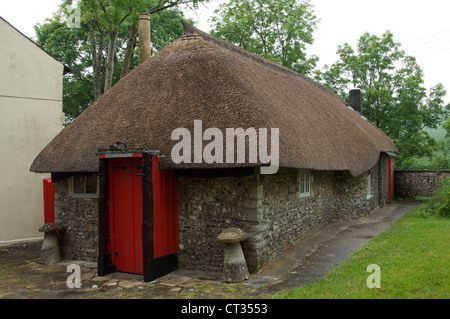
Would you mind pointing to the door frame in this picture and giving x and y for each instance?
(153, 267)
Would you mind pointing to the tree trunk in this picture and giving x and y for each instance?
(129, 50)
(110, 59)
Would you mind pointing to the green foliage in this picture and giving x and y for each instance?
(421, 198)
(440, 158)
(276, 30)
(439, 204)
(73, 48)
(393, 96)
(110, 14)
(446, 125)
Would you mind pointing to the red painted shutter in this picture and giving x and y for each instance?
(165, 211)
(49, 201)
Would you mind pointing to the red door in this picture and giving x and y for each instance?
(125, 211)
(390, 168)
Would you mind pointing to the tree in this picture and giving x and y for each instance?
(84, 50)
(108, 16)
(105, 19)
(277, 30)
(394, 98)
(71, 47)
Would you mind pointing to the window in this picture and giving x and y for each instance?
(369, 186)
(84, 186)
(305, 184)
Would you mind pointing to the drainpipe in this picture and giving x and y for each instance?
(144, 45)
(355, 100)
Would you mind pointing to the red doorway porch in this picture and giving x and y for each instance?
(138, 215)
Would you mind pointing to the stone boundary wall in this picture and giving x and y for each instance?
(408, 184)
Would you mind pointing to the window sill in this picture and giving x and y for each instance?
(83, 196)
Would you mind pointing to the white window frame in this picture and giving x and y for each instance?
(304, 183)
(369, 186)
(71, 188)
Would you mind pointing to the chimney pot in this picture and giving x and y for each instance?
(144, 44)
(355, 99)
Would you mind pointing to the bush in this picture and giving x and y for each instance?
(439, 204)
(421, 199)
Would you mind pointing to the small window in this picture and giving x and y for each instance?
(84, 186)
(305, 184)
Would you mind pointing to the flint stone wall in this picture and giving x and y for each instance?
(79, 215)
(268, 208)
(408, 184)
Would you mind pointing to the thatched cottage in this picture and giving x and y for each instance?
(124, 202)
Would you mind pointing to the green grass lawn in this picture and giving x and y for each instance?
(414, 258)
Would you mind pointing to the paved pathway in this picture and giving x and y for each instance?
(21, 276)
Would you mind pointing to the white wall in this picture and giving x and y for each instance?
(30, 116)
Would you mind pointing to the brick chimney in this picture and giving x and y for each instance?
(144, 44)
(354, 99)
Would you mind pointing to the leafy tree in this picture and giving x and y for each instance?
(104, 19)
(394, 98)
(71, 47)
(277, 30)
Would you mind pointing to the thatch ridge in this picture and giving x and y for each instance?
(188, 28)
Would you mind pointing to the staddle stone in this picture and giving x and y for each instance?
(232, 235)
(234, 264)
(50, 253)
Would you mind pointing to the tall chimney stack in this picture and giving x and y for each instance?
(144, 44)
(354, 100)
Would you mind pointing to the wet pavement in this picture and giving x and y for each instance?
(21, 275)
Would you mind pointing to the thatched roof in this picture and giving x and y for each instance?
(200, 77)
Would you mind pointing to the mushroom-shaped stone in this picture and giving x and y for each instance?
(232, 235)
(51, 227)
(50, 253)
(234, 264)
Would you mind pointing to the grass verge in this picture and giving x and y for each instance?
(414, 259)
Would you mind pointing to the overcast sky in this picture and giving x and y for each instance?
(422, 27)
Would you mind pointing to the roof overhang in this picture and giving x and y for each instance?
(391, 154)
(125, 154)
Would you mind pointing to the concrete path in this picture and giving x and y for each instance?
(21, 276)
(315, 256)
